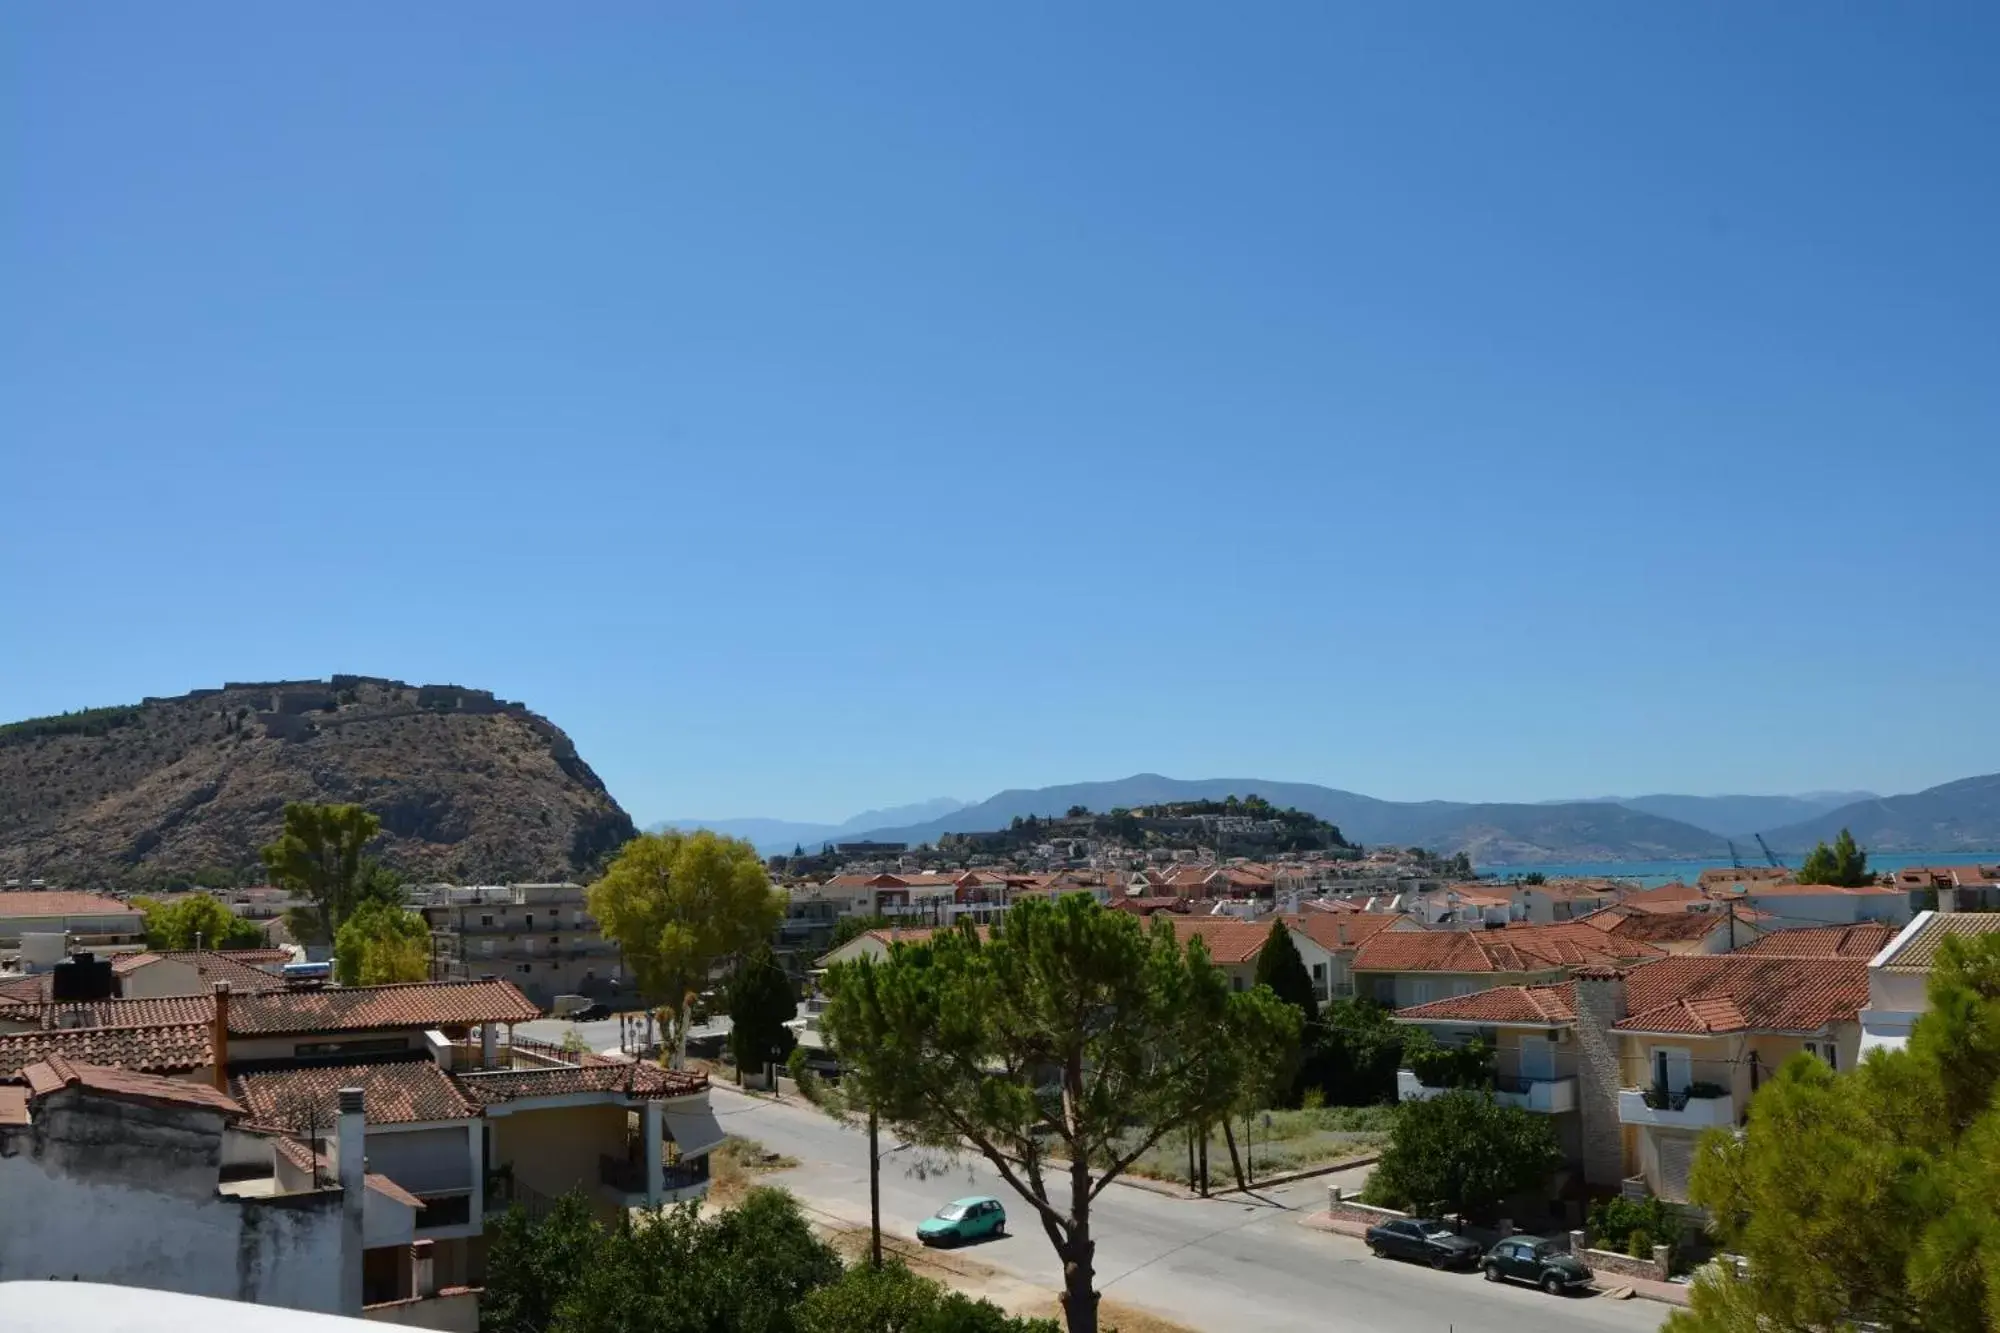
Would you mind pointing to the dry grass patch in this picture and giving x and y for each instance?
(734, 1167)
(1114, 1317)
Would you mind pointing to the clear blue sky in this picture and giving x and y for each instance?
(815, 406)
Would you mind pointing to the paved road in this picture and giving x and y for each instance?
(1221, 1265)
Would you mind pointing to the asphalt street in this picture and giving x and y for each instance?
(1224, 1265)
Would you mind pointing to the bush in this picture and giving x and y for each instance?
(1640, 1244)
(1463, 1151)
(1467, 1066)
(1615, 1222)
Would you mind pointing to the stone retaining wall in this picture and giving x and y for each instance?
(1623, 1265)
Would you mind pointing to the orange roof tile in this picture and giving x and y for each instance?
(1529, 1006)
(18, 904)
(57, 1073)
(395, 1091)
(1688, 994)
(1656, 927)
(388, 1188)
(638, 1078)
(1863, 940)
(419, 1004)
(1226, 939)
(161, 1049)
(1336, 932)
(1520, 948)
(171, 1009)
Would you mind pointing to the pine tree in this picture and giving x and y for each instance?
(1280, 967)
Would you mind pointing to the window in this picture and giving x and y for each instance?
(1236, 983)
(1824, 1050)
(486, 948)
(524, 967)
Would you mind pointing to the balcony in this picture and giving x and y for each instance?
(1694, 1106)
(1546, 1096)
(679, 1181)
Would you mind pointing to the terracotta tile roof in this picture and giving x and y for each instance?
(1919, 952)
(398, 1092)
(1513, 949)
(1330, 905)
(1657, 927)
(171, 1009)
(637, 1078)
(1228, 940)
(1735, 992)
(420, 1004)
(1720, 875)
(1337, 932)
(18, 904)
(298, 1153)
(1675, 897)
(1863, 940)
(382, 1185)
(1147, 904)
(13, 1105)
(244, 969)
(1533, 1006)
(57, 1072)
(163, 1049)
(1790, 890)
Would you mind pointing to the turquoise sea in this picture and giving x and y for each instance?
(1651, 873)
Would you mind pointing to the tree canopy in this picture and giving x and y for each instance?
(319, 856)
(1844, 864)
(1465, 1152)
(761, 1000)
(380, 943)
(679, 904)
(1066, 1043)
(1870, 1198)
(198, 921)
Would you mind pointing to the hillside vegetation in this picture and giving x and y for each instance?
(468, 787)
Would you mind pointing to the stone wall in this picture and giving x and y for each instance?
(1340, 1206)
(1600, 1002)
(1621, 1265)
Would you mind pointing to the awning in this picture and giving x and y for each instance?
(694, 1132)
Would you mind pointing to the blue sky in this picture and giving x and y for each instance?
(816, 406)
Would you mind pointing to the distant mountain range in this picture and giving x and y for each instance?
(778, 836)
(1959, 816)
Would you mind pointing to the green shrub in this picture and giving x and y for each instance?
(1467, 1066)
(1640, 1244)
(1613, 1222)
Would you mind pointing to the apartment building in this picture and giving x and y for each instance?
(539, 937)
(1899, 974)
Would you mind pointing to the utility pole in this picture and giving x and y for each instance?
(874, 1194)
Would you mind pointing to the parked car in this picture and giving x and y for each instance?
(1526, 1259)
(1424, 1239)
(963, 1220)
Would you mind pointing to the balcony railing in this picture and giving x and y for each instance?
(1546, 1096)
(1688, 1106)
(628, 1176)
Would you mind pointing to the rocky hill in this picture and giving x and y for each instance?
(469, 788)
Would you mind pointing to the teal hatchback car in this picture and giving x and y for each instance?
(964, 1220)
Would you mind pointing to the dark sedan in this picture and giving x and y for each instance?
(1425, 1240)
(1538, 1261)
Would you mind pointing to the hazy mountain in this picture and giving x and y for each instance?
(1962, 816)
(777, 836)
(1494, 833)
(1739, 816)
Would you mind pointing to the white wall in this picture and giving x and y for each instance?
(273, 1252)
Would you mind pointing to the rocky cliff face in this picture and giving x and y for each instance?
(469, 788)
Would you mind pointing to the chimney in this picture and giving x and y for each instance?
(353, 1151)
(218, 1040)
(423, 1272)
(1947, 893)
(1600, 1002)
